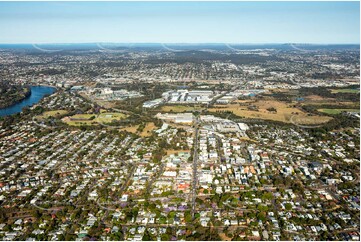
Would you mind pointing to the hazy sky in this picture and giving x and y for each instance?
(180, 22)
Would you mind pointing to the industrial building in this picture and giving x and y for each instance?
(176, 117)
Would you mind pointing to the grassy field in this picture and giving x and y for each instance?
(224, 237)
(131, 129)
(147, 131)
(109, 117)
(310, 120)
(93, 119)
(79, 119)
(337, 110)
(54, 113)
(243, 101)
(284, 112)
(170, 152)
(345, 90)
(180, 108)
(317, 98)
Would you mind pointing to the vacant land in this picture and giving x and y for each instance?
(54, 114)
(131, 129)
(317, 98)
(309, 120)
(284, 112)
(170, 152)
(147, 131)
(243, 101)
(337, 110)
(224, 237)
(180, 108)
(345, 90)
(93, 119)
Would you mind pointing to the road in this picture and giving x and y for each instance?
(154, 178)
(121, 190)
(195, 164)
(214, 100)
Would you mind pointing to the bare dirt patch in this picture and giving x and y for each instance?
(147, 131)
(131, 129)
(223, 236)
(170, 152)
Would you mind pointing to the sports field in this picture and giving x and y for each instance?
(93, 119)
(109, 117)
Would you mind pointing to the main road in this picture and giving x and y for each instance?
(195, 164)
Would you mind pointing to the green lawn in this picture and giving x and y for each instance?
(337, 110)
(83, 116)
(86, 119)
(54, 114)
(81, 119)
(109, 117)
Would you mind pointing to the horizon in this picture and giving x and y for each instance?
(180, 22)
(178, 43)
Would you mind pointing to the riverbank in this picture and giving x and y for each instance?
(37, 93)
(14, 94)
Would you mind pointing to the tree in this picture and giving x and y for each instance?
(261, 216)
(288, 206)
(69, 237)
(267, 196)
(262, 208)
(146, 236)
(162, 220)
(61, 237)
(36, 214)
(171, 214)
(165, 237)
(272, 109)
(187, 217)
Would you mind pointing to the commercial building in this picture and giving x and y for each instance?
(185, 96)
(153, 103)
(176, 117)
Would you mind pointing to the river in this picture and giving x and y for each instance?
(37, 93)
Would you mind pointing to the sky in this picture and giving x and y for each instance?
(180, 22)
